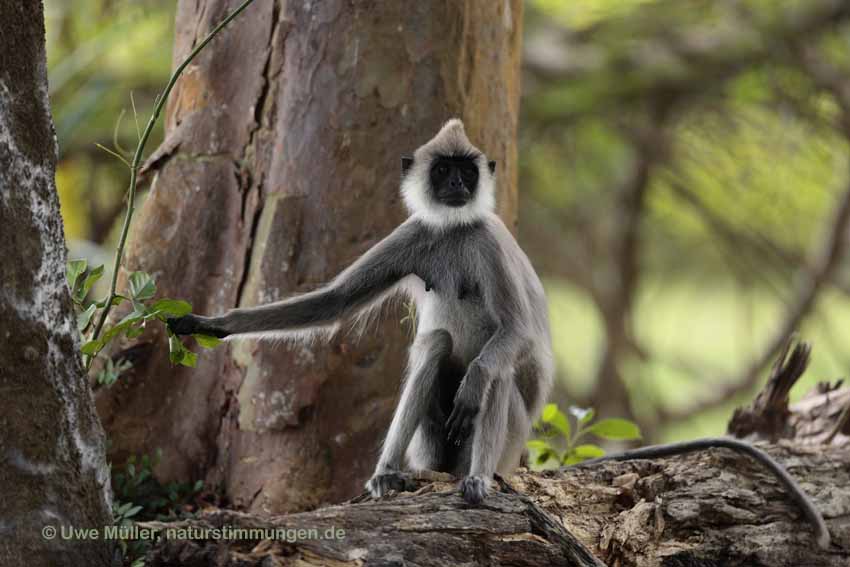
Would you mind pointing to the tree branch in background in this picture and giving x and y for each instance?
(813, 278)
(767, 250)
(616, 301)
(811, 281)
(690, 62)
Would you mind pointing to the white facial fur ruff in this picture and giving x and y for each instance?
(450, 140)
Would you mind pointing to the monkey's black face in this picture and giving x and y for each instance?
(454, 180)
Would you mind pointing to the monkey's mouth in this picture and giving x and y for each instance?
(455, 203)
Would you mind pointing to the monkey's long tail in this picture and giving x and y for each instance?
(812, 514)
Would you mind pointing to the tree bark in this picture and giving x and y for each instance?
(280, 167)
(52, 458)
(712, 508)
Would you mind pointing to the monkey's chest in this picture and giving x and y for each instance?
(456, 305)
(459, 287)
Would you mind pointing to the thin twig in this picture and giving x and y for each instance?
(137, 158)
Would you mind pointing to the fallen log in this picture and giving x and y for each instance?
(713, 508)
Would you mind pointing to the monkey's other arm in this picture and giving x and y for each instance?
(384, 265)
(497, 356)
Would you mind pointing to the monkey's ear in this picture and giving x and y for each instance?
(406, 163)
(492, 166)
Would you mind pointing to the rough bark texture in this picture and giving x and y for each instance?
(52, 464)
(710, 509)
(280, 167)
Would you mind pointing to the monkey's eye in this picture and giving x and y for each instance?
(442, 170)
(470, 175)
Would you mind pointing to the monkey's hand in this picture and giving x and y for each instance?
(467, 404)
(194, 324)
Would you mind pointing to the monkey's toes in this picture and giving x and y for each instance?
(474, 489)
(380, 484)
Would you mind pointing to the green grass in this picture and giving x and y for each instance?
(717, 328)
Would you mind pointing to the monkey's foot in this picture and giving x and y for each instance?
(474, 489)
(380, 484)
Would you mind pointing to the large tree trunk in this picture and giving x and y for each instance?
(281, 166)
(52, 466)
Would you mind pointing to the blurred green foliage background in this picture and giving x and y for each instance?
(699, 124)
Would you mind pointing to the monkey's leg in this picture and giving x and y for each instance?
(426, 357)
(429, 449)
(488, 442)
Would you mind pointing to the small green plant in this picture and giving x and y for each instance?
(142, 288)
(140, 293)
(111, 371)
(139, 496)
(555, 430)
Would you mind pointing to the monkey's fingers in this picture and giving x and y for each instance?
(460, 423)
(184, 325)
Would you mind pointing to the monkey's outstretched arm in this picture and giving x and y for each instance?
(364, 281)
(811, 513)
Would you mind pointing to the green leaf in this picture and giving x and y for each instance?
(538, 445)
(126, 323)
(571, 459)
(545, 456)
(84, 318)
(133, 332)
(176, 350)
(91, 348)
(142, 286)
(615, 429)
(170, 307)
(189, 359)
(115, 301)
(588, 451)
(73, 271)
(90, 280)
(179, 354)
(132, 511)
(207, 341)
(553, 416)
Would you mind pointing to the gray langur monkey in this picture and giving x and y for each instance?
(480, 366)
